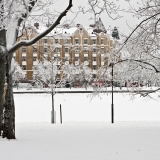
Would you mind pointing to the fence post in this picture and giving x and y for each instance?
(60, 114)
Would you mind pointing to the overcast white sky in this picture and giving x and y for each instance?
(84, 18)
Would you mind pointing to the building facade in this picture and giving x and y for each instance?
(75, 45)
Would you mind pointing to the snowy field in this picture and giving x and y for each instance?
(86, 132)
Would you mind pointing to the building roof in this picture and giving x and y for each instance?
(66, 32)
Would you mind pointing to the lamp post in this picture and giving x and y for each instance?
(112, 105)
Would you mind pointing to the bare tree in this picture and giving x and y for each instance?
(14, 15)
(140, 51)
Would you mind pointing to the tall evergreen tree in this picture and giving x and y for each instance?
(115, 33)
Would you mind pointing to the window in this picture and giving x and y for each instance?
(23, 58)
(77, 50)
(94, 41)
(66, 41)
(76, 41)
(58, 76)
(94, 50)
(66, 50)
(58, 67)
(45, 40)
(102, 41)
(85, 58)
(56, 41)
(76, 58)
(102, 50)
(34, 49)
(45, 50)
(85, 50)
(24, 49)
(81, 31)
(94, 58)
(57, 50)
(34, 58)
(94, 67)
(85, 41)
(94, 75)
(24, 67)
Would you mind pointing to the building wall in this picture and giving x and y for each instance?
(27, 57)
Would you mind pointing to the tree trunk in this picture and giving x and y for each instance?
(9, 108)
(2, 81)
(2, 73)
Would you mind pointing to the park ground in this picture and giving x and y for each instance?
(86, 131)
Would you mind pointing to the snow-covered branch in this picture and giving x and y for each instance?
(39, 36)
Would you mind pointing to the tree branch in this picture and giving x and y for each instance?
(35, 39)
(136, 29)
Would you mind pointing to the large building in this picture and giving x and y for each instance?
(76, 45)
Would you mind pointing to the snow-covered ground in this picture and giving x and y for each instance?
(86, 132)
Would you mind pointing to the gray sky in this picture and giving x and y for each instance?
(84, 18)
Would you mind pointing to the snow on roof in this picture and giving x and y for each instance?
(98, 27)
(93, 30)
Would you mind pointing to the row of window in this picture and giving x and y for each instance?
(24, 67)
(24, 49)
(85, 41)
(56, 50)
(76, 58)
(24, 58)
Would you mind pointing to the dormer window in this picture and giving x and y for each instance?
(80, 31)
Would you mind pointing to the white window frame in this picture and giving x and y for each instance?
(102, 40)
(45, 50)
(45, 40)
(93, 41)
(76, 39)
(24, 49)
(23, 58)
(24, 67)
(85, 41)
